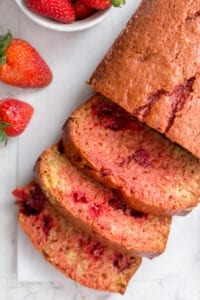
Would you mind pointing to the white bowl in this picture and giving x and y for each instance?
(51, 24)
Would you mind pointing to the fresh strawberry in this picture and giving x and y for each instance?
(82, 11)
(21, 65)
(14, 117)
(59, 10)
(102, 4)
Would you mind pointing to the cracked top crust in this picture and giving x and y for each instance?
(152, 69)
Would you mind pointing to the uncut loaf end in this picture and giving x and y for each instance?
(153, 69)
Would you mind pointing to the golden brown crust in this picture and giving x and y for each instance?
(152, 69)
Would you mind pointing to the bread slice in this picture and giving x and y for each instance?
(71, 251)
(98, 210)
(152, 174)
(152, 69)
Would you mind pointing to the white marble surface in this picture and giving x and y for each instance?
(175, 275)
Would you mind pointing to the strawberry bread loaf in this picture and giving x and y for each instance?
(70, 250)
(99, 211)
(153, 69)
(151, 173)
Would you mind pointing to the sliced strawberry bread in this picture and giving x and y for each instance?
(71, 251)
(152, 174)
(98, 210)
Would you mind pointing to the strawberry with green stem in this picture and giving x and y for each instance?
(21, 65)
(14, 117)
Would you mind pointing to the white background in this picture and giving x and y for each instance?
(175, 275)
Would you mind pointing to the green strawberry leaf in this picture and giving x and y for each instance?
(4, 124)
(118, 3)
(2, 59)
(3, 135)
(5, 41)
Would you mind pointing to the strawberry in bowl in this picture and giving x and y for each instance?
(103, 4)
(67, 15)
(58, 10)
(65, 11)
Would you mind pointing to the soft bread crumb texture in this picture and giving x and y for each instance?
(70, 250)
(153, 174)
(100, 211)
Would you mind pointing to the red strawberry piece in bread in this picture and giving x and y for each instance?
(59, 10)
(103, 4)
(14, 117)
(21, 65)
